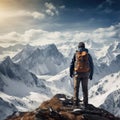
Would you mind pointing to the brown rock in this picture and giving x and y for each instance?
(61, 107)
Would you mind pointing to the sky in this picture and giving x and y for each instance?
(18, 17)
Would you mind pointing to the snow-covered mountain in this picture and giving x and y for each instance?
(19, 89)
(112, 103)
(106, 77)
(6, 109)
(103, 69)
(61, 83)
(20, 86)
(26, 51)
(106, 56)
(106, 93)
(41, 60)
(17, 72)
(111, 52)
(11, 74)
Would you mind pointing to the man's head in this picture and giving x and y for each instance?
(81, 45)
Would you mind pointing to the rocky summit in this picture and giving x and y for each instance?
(61, 107)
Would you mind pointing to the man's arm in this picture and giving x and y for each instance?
(72, 66)
(91, 67)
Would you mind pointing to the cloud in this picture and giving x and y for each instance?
(40, 37)
(108, 33)
(35, 14)
(21, 13)
(10, 39)
(110, 2)
(51, 9)
(106, 6)
(49, 12)
(50, 6)
(62, 7)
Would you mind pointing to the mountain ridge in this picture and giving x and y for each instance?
(60, 82)
(42, 60)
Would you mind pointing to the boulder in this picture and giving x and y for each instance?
(61, 107)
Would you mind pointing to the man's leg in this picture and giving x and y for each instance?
(76, 89)
(85, 90)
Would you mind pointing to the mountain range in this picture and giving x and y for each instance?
(41, 60)
(22, 86)
(19, 88)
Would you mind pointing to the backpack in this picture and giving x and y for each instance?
(81, 63)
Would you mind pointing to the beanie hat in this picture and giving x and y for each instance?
(81, 44)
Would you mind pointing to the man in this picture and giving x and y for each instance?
(81, 69)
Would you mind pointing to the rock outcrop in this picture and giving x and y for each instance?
(60, 107)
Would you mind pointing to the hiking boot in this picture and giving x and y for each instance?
(86, 106)
(75, 103)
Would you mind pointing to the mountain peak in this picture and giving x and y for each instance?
(49, 47)
(41, 60)
(60, 107)
(118, 46)
(28, 46)
(52, 46)
(7, 60)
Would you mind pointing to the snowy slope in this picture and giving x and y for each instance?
(23, 54)
(41, 60)
(12, 103)
(6, 109)
(112, 103)
(19, 89)
(111, 52)
(103, 69)
(13, 76)
(61, 83)
(105, 93)
(16, 72)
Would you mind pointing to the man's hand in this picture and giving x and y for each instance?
(71, 75)
(90, 77)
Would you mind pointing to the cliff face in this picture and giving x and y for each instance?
(60, 107)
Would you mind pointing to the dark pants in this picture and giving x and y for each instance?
(84, 82)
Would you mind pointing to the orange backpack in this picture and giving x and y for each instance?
(81, 63)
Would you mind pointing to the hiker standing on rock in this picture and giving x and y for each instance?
(81, 69)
